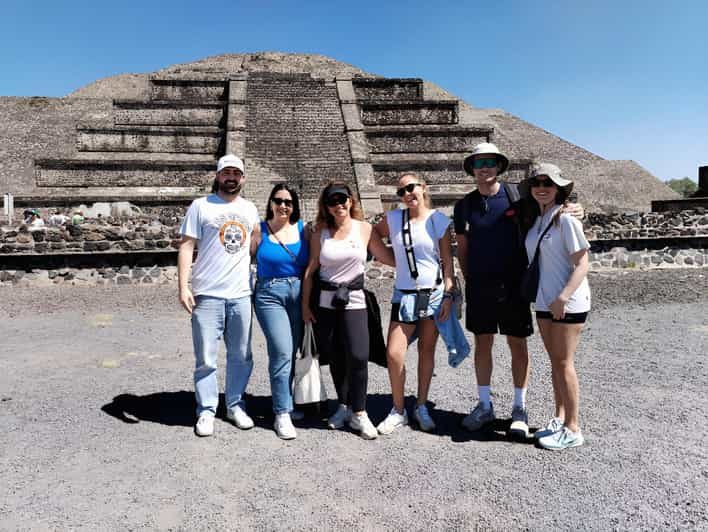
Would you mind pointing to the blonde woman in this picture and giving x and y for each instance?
(420, 238)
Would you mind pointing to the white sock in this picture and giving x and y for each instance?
(485, 396)
(520, 397)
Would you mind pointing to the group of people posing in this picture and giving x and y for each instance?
(499, 228)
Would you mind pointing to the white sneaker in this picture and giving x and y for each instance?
(553, 426)
(363, 425)
(393, 421)
(239, 417)
(422, 416)
(297, 415)
(205, 425)
(284, 427)
(342, 415)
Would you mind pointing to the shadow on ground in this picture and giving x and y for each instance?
(178, 409)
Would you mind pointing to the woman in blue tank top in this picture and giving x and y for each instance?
(281, 256)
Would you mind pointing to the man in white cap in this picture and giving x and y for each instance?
(222, 226)
(492, 257)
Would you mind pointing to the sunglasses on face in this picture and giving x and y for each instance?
(478, 164)
(280, 201)
(546, 183)
(410, 187)
(339, 199)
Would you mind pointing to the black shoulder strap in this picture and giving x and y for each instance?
(512, 192)
(540, 238)
(270, 230)
(408, 244)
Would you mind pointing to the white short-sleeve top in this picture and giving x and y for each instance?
(555, 264)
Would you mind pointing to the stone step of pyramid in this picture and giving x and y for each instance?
(165, 113)
(426, 138)
(388, 89)
(377, 113)
(160, 139)
(188, 89)
(67, 173)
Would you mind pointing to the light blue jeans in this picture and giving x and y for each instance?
(212, 319)
(277, 303)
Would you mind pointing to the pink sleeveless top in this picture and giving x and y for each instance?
(341, 261)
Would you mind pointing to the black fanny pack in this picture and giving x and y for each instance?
(341, 290)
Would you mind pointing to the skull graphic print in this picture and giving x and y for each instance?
(233, 236)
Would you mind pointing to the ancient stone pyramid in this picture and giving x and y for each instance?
(153, 139)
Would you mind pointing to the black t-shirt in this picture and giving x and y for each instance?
(494, 241)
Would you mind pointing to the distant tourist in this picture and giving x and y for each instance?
(77, 218)
(221, 225)
(338, 248)
(490, 249)
(282, 251)
(33, 218)
(422, 295)
(57, 218)
(563, 297)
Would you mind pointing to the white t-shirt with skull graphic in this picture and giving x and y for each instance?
(223, 230)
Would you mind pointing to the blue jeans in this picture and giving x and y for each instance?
(277, 303)
(213, 318)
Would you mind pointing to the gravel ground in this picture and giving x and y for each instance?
(97, 408)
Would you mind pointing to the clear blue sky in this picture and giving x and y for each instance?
(624, 79)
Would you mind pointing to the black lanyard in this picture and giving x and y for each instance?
(408, 248)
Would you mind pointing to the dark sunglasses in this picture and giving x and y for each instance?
(478, 164)
(410, 187)
(280, 201)
(339, 199)
(546, 183)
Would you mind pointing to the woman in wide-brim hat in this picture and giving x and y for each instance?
(563, 298)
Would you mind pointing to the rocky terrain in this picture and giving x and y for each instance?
(97, 410)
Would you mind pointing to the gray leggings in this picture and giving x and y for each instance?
(344, 338)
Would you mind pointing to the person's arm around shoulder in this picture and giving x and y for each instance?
(312, 265)
(184, 266)
(578, 248)
(576, 210)
(377, 247)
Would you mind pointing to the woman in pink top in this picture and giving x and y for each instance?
(339, 248)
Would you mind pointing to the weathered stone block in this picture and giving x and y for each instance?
(93, 236)
(123, 279)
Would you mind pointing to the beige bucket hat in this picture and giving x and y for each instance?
(553, 173)
(486, 148)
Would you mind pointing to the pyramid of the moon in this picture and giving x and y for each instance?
(305, 119)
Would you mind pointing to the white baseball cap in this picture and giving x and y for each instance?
(229, 160)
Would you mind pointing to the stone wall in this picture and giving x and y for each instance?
(131, 251)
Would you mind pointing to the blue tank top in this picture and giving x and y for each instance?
(273, 261)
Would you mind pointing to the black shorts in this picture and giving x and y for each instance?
(495, 307)
(570, 317)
